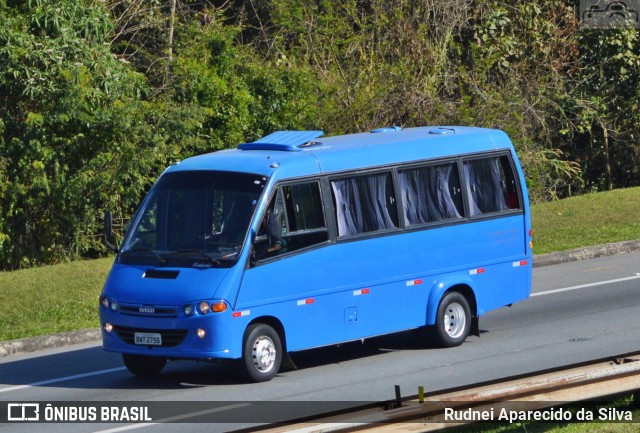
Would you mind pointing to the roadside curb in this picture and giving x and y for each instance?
(586, 253)
(25, 345)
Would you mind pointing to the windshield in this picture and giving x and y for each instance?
(194, 217)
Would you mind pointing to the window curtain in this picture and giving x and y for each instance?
(361, 204)
(348, 210)
(428, 194)
(484, 186)
(414, 196)
(440, 202)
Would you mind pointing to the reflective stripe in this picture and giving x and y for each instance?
(476, 271)
(241, 313)
(305, 301)
(361, 292)
(520, 263)
(414, 282)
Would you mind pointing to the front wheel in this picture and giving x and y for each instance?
(262, 354)
(453, 320)
(142, 365)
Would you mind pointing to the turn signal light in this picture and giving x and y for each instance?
(219, 307)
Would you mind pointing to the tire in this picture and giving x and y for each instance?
(144, 366)
(262, 353)
(453, 320)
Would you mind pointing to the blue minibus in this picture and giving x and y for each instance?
(297, 241)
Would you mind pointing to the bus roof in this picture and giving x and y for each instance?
(290, 154)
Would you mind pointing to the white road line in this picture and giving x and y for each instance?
(62, 379)
(584, 286)
(175, 418)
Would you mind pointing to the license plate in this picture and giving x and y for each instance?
(148, 339)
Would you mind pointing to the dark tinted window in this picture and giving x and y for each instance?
(195, 215)
(294, 220)
(304, 207)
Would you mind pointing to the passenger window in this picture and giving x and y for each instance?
(431, 194)
(365, 204)
(294, 220)
(491, 185)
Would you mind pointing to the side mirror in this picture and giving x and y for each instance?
(108, 231)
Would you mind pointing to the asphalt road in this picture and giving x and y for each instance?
(579, 311)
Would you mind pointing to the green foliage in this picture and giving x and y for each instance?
(82, 131)
(238, 98)
(60, 87)
(98, 98)
(605, 110)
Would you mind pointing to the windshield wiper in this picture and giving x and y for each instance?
(154, 253)
(191, 252)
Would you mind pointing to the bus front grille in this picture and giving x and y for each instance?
(170, 338)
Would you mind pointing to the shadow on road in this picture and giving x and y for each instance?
(92, 368)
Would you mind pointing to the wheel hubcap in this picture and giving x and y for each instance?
(264, 354)
(455, 320)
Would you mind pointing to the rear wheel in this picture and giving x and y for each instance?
(262, 353)
(142, 365)
(453, 320)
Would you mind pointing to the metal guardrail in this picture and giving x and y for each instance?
(520, 395)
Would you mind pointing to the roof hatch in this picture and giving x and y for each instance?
(386, 129)
(442, 131)
(283, 140)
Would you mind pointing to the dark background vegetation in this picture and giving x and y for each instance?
(98, 97)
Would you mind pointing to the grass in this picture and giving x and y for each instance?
(585, 220)
(64, 297)
(591, 427)
(51, 299)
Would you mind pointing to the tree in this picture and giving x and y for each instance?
(59, 85)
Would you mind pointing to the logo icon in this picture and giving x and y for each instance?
(609, 14)
(23, 412)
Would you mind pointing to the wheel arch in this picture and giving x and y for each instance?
(277, 326)
(274, 323)
(442, 287)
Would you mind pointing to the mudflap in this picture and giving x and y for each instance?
(287, 362)
(475, 326)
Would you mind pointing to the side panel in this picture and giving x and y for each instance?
(367, 287)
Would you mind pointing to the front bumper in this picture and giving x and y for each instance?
(179, 335)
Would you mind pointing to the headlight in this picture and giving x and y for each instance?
(188, 310)
(203, 307)
(108, 303)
